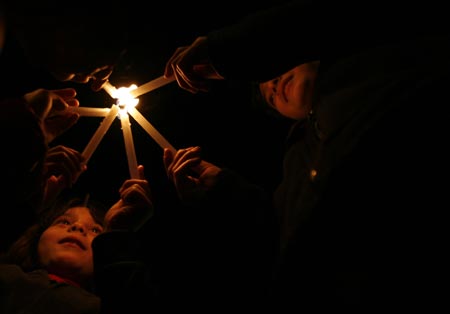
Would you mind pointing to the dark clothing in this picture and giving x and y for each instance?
(210, 258)
(120, 285)
(357, 200)
(34, 292)
(360, 220)
(122, 278)
(23, 156)
(271, 42)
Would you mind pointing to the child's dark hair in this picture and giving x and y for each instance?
(23, 251)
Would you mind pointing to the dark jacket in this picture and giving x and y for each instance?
(358, 206)
(24, 150)
(35, 293)
(359, 214)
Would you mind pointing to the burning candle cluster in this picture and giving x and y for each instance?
(126, 102)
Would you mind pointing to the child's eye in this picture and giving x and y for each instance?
(62, 221)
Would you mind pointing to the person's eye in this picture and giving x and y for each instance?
(97, 230)
(62, 221)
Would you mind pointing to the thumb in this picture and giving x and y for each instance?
(167, 158)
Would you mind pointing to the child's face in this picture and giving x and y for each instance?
(65, 247)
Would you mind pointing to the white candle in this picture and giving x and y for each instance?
(150, 129)
(129, 145)
(98, 135)
(90, 112)
(149, 86)
(111, 90)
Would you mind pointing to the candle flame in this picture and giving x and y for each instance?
(125, 99)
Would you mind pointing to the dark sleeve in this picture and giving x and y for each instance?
(237, 236)
(232, 190)
(270, 42)
(23, 153)
(122, 277)
(250, 49)
(243, 212)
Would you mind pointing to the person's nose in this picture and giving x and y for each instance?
(76, 227)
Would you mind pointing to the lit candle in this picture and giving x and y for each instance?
(90, 112)
(150, 129)
(98, 135)
(129, 145)
(149, 86)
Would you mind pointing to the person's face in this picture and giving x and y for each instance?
(291, 93)
(64, 248)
